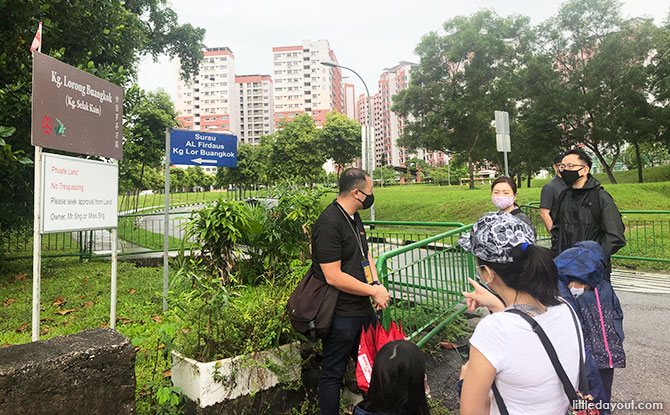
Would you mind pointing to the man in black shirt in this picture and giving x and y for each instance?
(551, 193)
(585, 212)
(341, 257)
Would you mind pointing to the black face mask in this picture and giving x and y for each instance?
(570, 176)
(369, 199)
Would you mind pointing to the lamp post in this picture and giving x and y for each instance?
(368, 161)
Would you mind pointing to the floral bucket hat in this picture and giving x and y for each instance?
(494, 236)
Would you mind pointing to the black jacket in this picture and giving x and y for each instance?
(575, 221)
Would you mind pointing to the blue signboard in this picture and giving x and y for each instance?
(200, 148)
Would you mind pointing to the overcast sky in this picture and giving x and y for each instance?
(366, 35)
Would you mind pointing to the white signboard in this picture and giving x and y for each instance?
(78, 194)
(502, 131)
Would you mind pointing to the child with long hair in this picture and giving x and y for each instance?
(397, 382)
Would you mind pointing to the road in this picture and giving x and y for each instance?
(646, 326)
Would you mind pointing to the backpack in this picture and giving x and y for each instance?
(311, 306)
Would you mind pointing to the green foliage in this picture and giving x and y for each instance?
(106, 38)
(455, 331)
(602, 105)
(8, 156)
(146, 116)
(341, 138)
(442, 175)
(250, 320)
(651, 154)
(462, 78)
(277, 237)
(387, 174)
(250, 170)
(296, 152)
(216, 229)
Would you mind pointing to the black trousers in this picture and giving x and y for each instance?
(339, 346)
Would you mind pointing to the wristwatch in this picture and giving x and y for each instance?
(375, 283)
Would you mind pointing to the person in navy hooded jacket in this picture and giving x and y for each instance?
(583, 270)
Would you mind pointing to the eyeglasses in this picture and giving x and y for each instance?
(570, 166)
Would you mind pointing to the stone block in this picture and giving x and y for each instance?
(91, 372)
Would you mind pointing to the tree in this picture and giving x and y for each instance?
(250, 167)
(149, 114)
(415, 167)
(462, 78)
(387, 174)
(341, 138)
(194, 176)
(177, 178)
(536, 130)
(104, 37)
(296, 152)
(601, 58)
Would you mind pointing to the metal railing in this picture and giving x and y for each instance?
(384, 236)
(140, 233)
(647, 233)
(426, 280)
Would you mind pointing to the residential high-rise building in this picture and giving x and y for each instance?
(302, 84)
(256, 107)
(350, 101)
(388, 125)
(210, 101)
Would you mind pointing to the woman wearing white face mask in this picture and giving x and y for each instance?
(503, 197)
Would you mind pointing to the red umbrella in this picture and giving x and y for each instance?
(373, 338)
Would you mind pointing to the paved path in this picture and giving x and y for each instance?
(640, 282)
(647, 344)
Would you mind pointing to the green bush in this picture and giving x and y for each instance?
(276, 237)
(231, 297)
(239, 320)
(216, 229)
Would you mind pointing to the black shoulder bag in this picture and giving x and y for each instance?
(581, 403)
(311, 306)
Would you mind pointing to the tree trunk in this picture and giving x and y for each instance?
(471, 167)
(471, 172)
(639, 161)
(518, 180)
(139, 188)
(607, 167)
(528, 182)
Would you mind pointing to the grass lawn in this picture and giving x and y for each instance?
(76, 296)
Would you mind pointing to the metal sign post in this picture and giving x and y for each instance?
(37, 245)
(166, 221)
(502, 135)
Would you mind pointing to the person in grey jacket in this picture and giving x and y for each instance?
(586, 212)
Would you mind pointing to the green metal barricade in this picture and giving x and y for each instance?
(426, 280)
(647, 233)
(384, 236)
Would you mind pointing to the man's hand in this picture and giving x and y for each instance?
(481, 297)
(380, 296)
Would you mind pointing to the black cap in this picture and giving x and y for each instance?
(559, 157)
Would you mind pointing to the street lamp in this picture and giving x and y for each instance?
(368, 161)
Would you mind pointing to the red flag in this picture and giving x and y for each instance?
(37, 40)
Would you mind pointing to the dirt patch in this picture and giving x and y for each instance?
(443, 367)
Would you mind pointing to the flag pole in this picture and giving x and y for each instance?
(37, 236)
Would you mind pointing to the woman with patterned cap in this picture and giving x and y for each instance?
(506, 355)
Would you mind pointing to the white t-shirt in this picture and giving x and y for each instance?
(525, 377)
